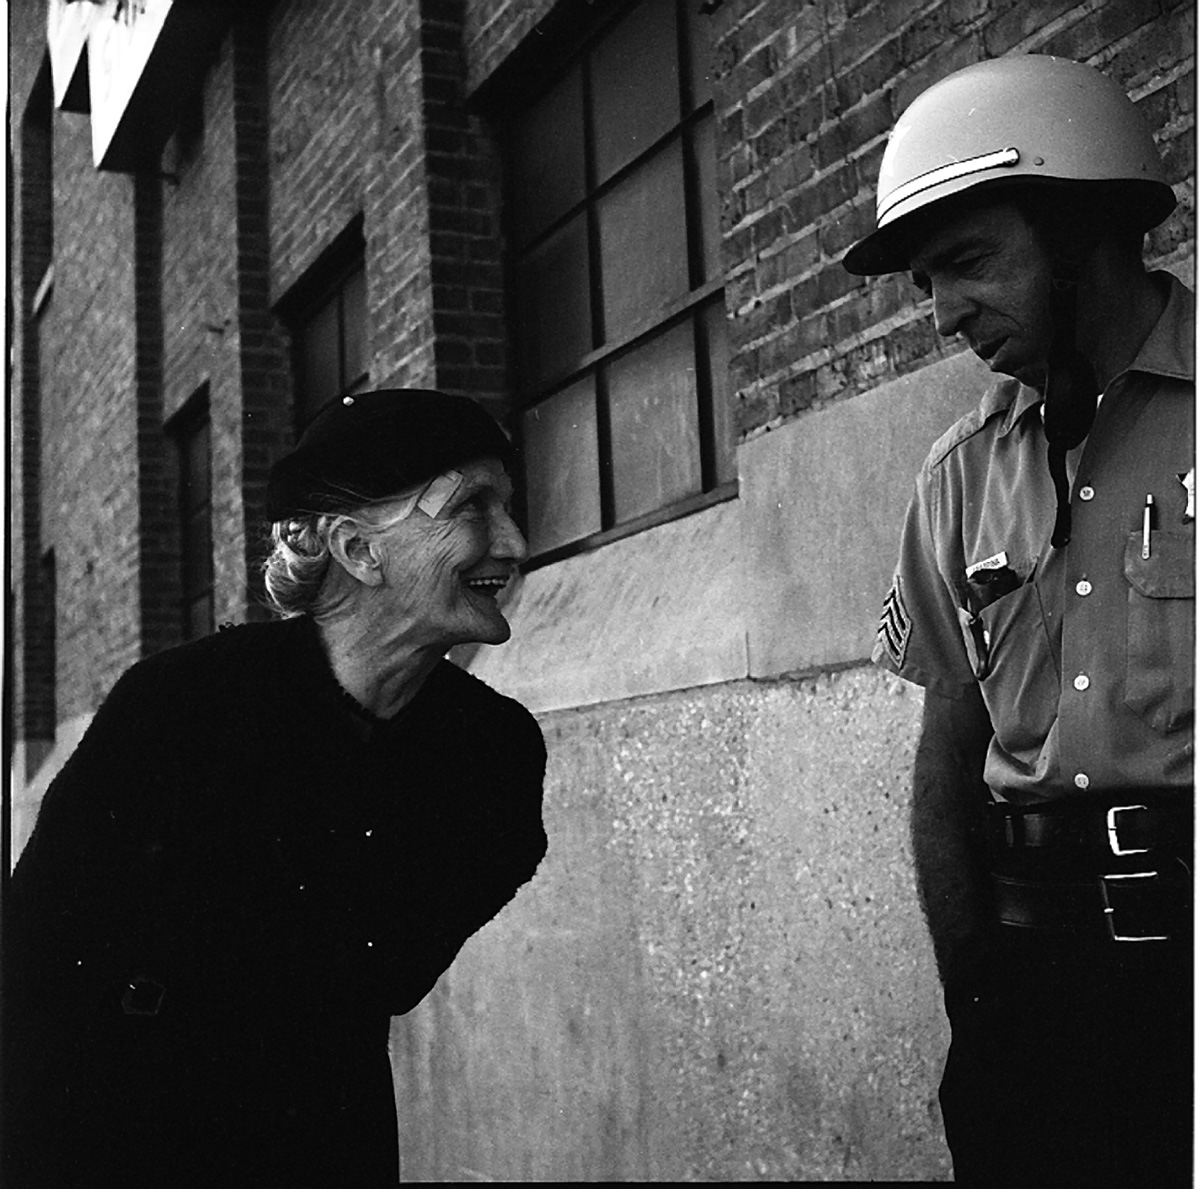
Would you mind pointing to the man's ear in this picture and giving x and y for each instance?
(355, 554)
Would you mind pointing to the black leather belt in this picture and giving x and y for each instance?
(1119, 871)
(1141, 906)
(1135, 824)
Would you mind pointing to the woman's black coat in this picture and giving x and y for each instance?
(233, 883)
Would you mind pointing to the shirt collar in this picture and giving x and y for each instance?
(1169, 350)
(1024, 399)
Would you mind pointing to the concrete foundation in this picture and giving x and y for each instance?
(720, 971)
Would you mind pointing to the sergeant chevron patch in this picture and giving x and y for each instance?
(895, 627)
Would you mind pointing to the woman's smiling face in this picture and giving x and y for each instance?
(442, 574)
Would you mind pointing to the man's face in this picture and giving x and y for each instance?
(990, 282)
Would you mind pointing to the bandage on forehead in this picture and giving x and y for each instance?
(435, 497)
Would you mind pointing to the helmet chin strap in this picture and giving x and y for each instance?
(1069, 394)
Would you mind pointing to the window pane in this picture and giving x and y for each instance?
(322, 373)
(635, 85)
(643, 243)
(196, 467)
(197, 553)
(553, 304)
(547, 159)
(354, 327)
(655, 433)
(199, 617)
(562, 474)
(700, 51)
(716, 327)
(707, 203)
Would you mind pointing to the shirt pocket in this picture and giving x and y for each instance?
(1159, 677)
(989, 629)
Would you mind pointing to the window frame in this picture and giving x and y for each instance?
(701, 293)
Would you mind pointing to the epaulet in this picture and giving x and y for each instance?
(997, 402)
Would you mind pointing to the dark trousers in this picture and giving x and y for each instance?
(1072, 1065)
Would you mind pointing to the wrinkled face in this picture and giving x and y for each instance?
(989, 278)
(442, 575)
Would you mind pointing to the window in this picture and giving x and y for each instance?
(620, 320)
(47, 622)
(193, 438)
(38, 588)
(38, 187)
(328, 317)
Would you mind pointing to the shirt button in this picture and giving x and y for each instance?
(1082, 681)
(1083, 588)
(1086, 493)
(1082, 780)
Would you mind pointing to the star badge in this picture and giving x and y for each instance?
(1189, 485)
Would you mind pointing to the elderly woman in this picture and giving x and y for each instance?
(273, 839)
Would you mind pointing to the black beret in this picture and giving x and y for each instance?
(376, 444)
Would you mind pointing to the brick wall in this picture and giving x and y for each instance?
(89, 504)
(464, 218)
(259, 426)
(493, 28)
(199, 293)
(157, 537)
(807, 94)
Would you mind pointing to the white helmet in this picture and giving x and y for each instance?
(1027, 119)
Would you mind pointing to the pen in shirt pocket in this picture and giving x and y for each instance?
(1147, 525)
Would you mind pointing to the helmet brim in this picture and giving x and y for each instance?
(885, 250)
(1144, 204)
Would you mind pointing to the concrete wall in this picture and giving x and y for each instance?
(719, 972)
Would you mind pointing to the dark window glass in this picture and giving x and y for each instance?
(622, 348)
(708, 207)
(199, 617)
(193, 435)
(554, 303)
(331, 342)
(44, 620)
(715, 327)
(635, 85)
(354, 330)
(547, 160)
(699, 40)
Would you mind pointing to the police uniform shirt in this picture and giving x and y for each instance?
(1084, 654)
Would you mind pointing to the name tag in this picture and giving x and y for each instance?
(996, 562)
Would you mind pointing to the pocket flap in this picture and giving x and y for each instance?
(1169, 571)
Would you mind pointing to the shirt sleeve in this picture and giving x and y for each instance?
(920, 635)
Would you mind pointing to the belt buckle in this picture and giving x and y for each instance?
(1114, 839)
(1115, 930)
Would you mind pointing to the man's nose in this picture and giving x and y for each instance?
(950, 308)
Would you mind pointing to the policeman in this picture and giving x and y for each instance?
(1044, 599)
